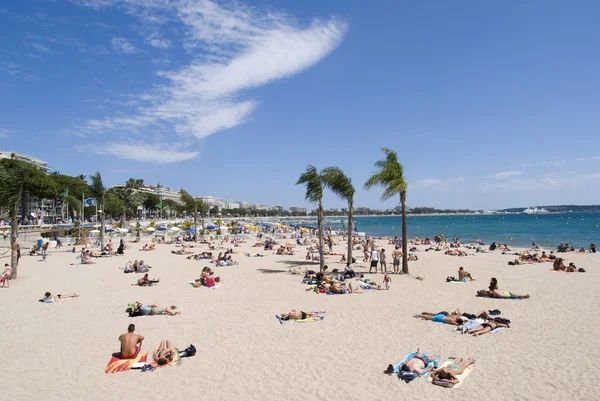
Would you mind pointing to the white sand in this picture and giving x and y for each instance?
(59, 351)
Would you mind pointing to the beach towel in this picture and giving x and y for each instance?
(307, 320)
(497, 330)
(461, 378)
(410, 355)
(121, 365)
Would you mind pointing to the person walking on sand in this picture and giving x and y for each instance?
(366, 251)
(387, 281)
(382, 263)
(131, 343)
(374, 259)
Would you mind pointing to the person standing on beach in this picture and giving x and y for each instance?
(131, 343)
(366, 251)
(396, 257)
(374, 259)
(382, 263)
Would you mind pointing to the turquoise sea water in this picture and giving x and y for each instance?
(548, 230)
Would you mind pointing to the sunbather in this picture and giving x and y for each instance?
(453, 318)
(131, 343)
(145, 281)
(50, 299)
(487, 327)
(449, 373)
(417, 364)
(341, 288)
(139, 309)
(165, 353)
(501, 294)
(297, 315)
(463, 274)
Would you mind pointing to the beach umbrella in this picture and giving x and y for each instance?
(162, 228)
(211, 227)
(110, 230)
(190, 230)
(151, 229)
(94, 231)
(174, 229)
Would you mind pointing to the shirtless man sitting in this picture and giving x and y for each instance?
(131, 343)
(462, 274)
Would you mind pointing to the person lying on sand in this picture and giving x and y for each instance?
(297, 315)
(417, 364)
(342, 288)
(50, 299)
(449, 373)
(453, 318)
(487, 327)
(146, 282)
(501, 294)
(165, 353)
(131, 343)
(138, 309)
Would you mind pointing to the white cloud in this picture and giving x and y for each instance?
(555, 163)
(41, 48)
(234, 48)
(151, 153)
(160, 61)
(580, 159)
(438, 183)
(506, 174)
(4, 133)
(526, 165)
(155, 40)
(122, 45)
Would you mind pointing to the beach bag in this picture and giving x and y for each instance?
(581, 270)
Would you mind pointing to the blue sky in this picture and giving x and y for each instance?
(488, 104)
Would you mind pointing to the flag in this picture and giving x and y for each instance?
(157, 206)
(89, 202)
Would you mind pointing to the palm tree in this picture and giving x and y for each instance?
(314, 193)
(191, 204)
(341, 185)
(98, 189)
(391, 177)
(17, 180)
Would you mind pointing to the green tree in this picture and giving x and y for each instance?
(390, 176)
(113, 204)
(98, 192)
(191, 204)
(17, 180)
(314, 193)
(341, 185)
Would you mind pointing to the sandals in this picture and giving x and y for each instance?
(389, 370)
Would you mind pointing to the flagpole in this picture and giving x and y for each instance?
(67, 205)
(81, 214)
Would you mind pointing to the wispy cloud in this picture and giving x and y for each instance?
(4, 133)
(9, 68)
(155, 40)
(555, 163)
(160, 153)
(234, 48)
(122, 45)
(438, 183)
(506, 174)
(41, 48)
(526, 165)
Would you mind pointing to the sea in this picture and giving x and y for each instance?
(520, 230)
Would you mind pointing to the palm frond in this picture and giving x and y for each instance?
(11, 185)
(97, 187)
(338, 182)
(390, 175)
(314, 185)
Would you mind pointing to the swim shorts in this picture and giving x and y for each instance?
(439, 318)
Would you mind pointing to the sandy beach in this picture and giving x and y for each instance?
(59, 351)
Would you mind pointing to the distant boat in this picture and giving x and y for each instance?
(535, 210)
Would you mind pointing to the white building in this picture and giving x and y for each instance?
(42, 165)
(246, 205)
(299, 210)
(232, 204)
(211, 201)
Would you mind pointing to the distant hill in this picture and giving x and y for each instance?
(557, 209)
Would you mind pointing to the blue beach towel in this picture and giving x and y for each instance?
(410, 376)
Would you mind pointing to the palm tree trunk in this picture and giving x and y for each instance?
(321, 236)
(196, 225)
(404, 235)
(14, 235)
(350, 213)
(102, 228)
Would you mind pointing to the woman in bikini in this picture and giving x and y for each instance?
(449, 373)
(489, 326)
(165, 353)
(297, 315)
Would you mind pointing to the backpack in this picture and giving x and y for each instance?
(407, 377)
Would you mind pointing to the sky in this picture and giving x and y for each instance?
(489, 105)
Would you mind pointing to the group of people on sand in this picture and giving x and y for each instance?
(207, 279)
(148, 248)
(420, 364)
(136, 267)
(140, 309)
(474, 324)
(494, 292)
(131, 345)
(559, 265)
